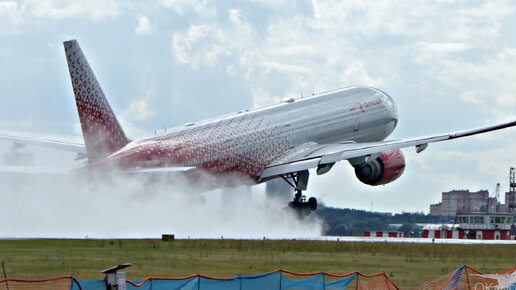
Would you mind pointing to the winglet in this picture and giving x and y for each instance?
(101, 130)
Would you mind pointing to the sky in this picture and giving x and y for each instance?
(449, 65)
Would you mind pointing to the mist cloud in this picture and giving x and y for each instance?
(76, 206)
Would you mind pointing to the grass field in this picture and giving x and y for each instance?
(408, 264)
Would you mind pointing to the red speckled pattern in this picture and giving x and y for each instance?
(243, 144)
(102, 133)
(394, 165)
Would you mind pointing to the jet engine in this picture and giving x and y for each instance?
(382, 170)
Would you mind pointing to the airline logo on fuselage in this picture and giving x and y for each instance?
(371, 104)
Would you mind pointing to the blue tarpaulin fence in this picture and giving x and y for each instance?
(280, 279)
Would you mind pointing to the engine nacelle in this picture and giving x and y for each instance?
(384, 169)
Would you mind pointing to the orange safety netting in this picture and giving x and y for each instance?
(63, 282)
(466, 277)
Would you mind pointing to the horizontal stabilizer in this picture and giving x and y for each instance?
(62, 143)
(163, 170)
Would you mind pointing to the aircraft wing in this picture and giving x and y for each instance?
(63, 143)
(313, 155)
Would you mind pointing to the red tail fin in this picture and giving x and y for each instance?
(101, 131)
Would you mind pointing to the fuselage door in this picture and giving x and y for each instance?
(355, 119)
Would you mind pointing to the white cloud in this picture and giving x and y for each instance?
(135, 116)
(93, 9)
(144, 26)
(182, 42)
(10, 17)
(200, 46)
(196, 7)
(472, 97)
(262, 97)
(445, 46)
(357, 73)
(138, 110)
(487, 81)
(445, 166)
(346, 44)
(8, 5)
(316, 9)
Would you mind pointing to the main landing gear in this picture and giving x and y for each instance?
(300, 202)
(299, 181)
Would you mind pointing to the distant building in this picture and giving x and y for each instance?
(477, 226)
(394, 227)
(391, 234)
(510, 201)
(436, 209)
(460, 201)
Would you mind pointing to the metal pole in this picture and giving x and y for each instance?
(5, 275)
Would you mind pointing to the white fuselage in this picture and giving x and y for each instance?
(248, 141)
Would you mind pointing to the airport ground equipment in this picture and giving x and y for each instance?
(167, 237)
(116, 280)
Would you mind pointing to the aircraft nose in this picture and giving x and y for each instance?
(390, 102)
(392, 107)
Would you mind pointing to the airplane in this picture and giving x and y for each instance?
(281, 141)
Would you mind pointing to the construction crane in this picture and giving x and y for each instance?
(511, 199)
(497, 192)
(492, 207)
(512, 190)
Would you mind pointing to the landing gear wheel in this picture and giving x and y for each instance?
(312, 203)
(299, 183)
(301, 205)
